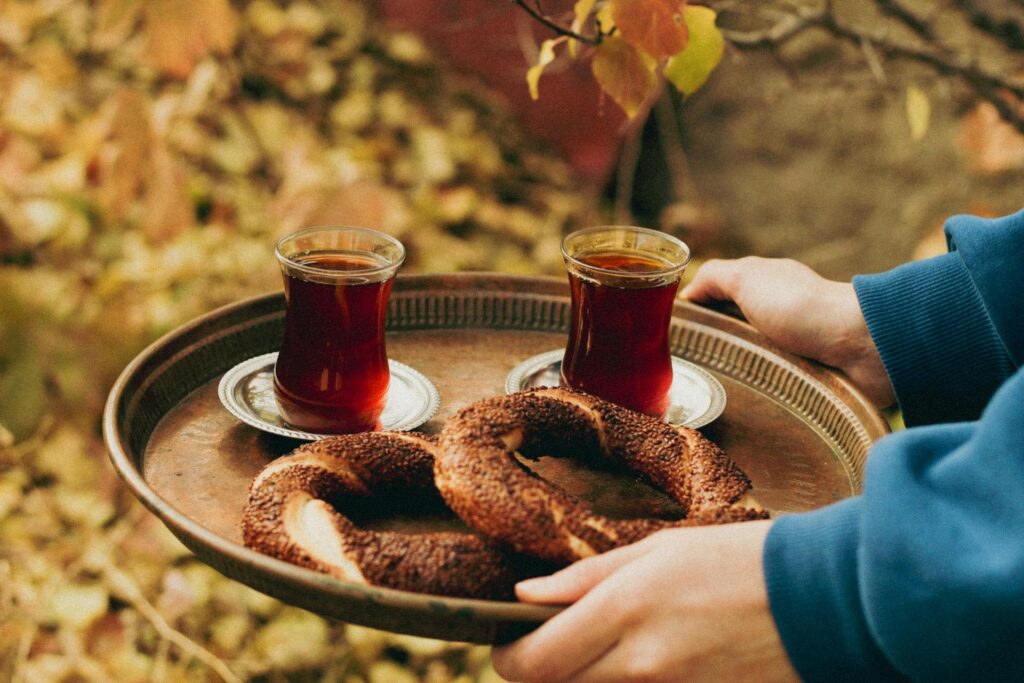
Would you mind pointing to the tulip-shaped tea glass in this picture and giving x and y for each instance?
(623, 282)
(332, 372)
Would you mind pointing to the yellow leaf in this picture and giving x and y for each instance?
(78, 604)
(115, 20)
(604, 18)
(581, 11)
(546, 56)
(624, 73)
(689, 69)
(919, 112)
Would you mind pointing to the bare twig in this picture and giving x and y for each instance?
(21, 658)
(897, 9)
(555, 26)
(995, 86)
(989, 84)
(782, 31)
(874, 63)
(1007, 32)
(123, 586)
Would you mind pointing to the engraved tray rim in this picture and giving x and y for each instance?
(481, 621)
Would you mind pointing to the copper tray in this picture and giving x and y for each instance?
(800, 431)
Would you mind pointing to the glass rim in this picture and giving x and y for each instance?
(327, 272)
(669, 270)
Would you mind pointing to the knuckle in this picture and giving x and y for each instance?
(641, 671)
(647, 664)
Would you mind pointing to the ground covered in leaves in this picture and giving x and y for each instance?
(143, 181)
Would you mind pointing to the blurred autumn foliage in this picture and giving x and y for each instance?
(150, 153)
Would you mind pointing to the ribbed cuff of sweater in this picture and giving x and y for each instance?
(936, 340)
(810, 564)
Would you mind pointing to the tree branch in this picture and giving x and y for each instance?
(1007, 32)
(897, 9)
(555, 26)
(994, 86)
(782, 31)
(989, 84)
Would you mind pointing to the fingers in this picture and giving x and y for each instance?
(565, 644)
(626, 662)
(716, 280)
(576, 580)
(582, 634)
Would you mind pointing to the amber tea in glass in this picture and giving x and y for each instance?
(623, 282)
(332, 373)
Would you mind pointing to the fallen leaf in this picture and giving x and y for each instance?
(180, 34)
(919, 112)
(124, 157)
(115, 20)
(78, 604)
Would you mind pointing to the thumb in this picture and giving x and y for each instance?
(576, 580)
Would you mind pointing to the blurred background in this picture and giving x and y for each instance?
(151, 151)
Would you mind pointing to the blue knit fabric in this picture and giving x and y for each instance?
(937, 341)
(811, 572)
(923, 574)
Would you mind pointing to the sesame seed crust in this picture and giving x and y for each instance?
(480, 479)
(382, 463)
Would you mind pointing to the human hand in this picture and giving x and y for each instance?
(802, 312)
(684, 604)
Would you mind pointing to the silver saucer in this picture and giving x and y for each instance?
(696, 397)
(247, 391)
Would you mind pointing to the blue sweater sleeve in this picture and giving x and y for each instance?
(923, 575)
(950, 329)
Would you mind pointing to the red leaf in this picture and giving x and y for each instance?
(655, 26)
(623, 73)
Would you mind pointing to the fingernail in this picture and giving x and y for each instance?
(532, 584)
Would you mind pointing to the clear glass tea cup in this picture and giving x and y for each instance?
(623, 283)
(332, 374)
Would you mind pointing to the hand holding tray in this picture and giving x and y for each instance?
(800, 431)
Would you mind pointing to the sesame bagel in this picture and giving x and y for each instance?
(480, 479)
(289, 515)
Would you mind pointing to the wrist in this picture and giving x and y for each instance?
(854, 351)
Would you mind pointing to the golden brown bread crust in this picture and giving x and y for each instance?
(479, 478)
(288, 516)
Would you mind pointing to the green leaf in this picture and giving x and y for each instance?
(919, 112)
(624, 73)
(689, 69)
(547, 55)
